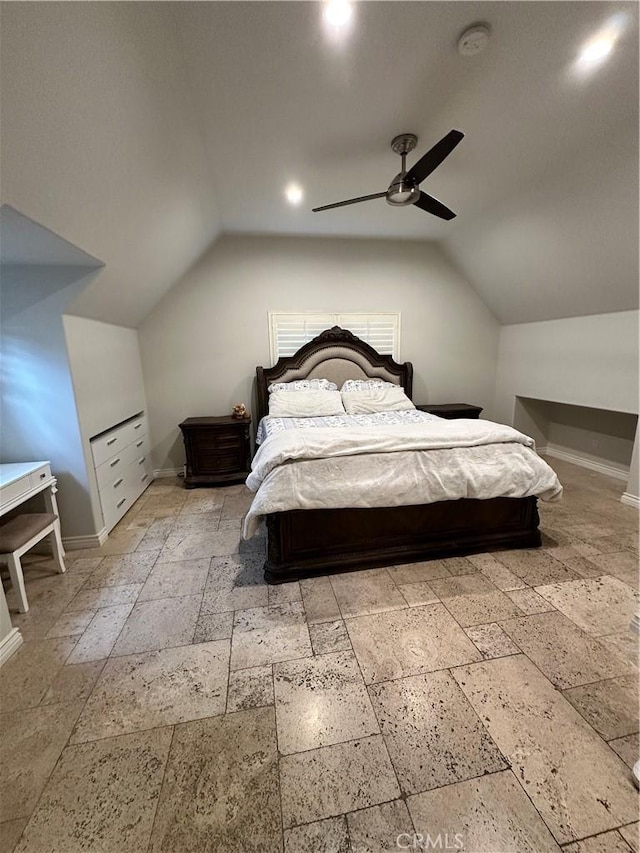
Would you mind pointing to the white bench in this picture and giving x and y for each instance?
(19, 535)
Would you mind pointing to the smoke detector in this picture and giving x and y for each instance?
(473, 40)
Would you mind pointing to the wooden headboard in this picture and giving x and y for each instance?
(336, 354)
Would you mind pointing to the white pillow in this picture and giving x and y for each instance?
(305, 404)
(366, 384)
(304, 385)
(385, 398)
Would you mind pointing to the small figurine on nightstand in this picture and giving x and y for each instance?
(240, 412)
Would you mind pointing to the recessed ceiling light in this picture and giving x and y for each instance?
(598, 48)
(293, 193)
(338, 13)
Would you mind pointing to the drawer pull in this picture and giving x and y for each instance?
(118, 482)
(112, 440)
(141, 460)
(144, 477)
(42, 476)
(120, 502)
(140, 443)
(137, 426)
(114, 463)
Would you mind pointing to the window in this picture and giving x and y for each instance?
(288, 332)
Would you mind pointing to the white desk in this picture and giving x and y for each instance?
(20, 481)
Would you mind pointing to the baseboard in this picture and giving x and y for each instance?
(168, 472)
(584, 462)
(10, 644)
(630, 500)
(78, 543)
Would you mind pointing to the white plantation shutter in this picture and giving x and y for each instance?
(381, 331)
(288, 332)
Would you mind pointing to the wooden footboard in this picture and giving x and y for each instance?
(304, 543)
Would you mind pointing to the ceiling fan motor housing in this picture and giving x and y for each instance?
(402, 192)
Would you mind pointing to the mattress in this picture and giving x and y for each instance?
(393, 459)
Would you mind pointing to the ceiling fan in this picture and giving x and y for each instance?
(404, 188)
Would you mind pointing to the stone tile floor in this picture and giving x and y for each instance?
(166, 699)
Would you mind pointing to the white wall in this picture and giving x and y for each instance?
(39, 418)
(201, 345)
(106, 371)
(585, 361)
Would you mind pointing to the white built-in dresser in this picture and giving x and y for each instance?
(123, 466)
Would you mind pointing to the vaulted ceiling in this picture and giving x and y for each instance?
(141, 130)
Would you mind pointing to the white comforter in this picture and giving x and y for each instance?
(395, 465)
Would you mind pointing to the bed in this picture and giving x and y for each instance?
(325, 539)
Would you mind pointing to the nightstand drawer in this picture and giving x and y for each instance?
(218, 461)
(210, 440)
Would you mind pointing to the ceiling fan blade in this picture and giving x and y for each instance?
(432, 159)
(349, 201)
(432, 205)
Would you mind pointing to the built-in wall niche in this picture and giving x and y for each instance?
(595, 438)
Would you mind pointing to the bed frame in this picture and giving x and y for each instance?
(304, 543)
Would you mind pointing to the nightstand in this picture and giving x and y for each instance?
(451, 411)
(218, 450)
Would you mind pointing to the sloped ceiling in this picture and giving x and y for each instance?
(101, 144)
(139, 130)
(545, 182)
(26, 242)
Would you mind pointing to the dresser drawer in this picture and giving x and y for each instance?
(135, 429)
(140, 446)
(115, 505)
(107, 446)
(140, 465)
(111, 444)
(118, 498)
(115, 487)
(139, 475)
(109, 471)
(117, 465)
(124, 480)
